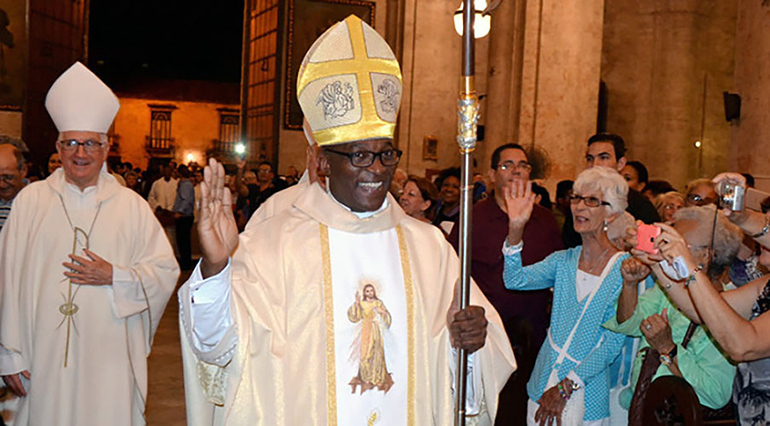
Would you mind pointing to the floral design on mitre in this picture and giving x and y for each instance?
(336, 99)
(389, 90)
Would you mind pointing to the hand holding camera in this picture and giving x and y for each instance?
(731, 188)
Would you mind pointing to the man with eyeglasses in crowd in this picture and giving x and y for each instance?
(524, 313)
(85, 274)
(278, 317)
(13, 169)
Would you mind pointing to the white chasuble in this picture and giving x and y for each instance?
(85, 346)
(336, 320)
(371, 299)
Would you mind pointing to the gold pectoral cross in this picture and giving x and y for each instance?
(69, 308)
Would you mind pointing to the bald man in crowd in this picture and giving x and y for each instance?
(13, 169)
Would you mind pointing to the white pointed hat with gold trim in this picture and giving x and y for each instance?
(349, 85)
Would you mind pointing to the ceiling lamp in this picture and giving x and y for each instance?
(482, 22)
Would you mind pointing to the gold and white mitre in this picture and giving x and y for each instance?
(79, 101)
(349, 85)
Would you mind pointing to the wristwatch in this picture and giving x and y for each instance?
(667, 359)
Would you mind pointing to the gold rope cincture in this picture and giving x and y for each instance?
(69, 308)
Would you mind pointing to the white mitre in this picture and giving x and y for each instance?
(79, 101)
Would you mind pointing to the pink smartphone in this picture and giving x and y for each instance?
(645, 237)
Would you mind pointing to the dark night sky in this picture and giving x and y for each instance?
(190, 39)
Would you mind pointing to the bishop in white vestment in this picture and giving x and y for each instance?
(85, 274)
(340, 309)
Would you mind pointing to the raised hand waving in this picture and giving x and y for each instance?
(519, 202)
(216, 225)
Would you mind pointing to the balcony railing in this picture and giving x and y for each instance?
(159, 146)
(224, 146)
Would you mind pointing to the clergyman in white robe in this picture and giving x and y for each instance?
(284, 349)
(107, 339)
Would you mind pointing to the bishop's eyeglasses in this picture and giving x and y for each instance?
(89, 145)
(363, 159)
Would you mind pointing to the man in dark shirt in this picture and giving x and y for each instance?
(609, 150)
(267, 185)
(184, 208)
(524, 313)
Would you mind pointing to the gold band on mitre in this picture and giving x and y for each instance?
(349, 85)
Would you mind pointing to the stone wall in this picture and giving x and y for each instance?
(751, 135)
(659, 60)
(538, 72)
(560, 81)
(431, 68)
(10, 124)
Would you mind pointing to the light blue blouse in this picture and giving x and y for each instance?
(593, 347)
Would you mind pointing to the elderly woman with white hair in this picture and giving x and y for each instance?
(570, 382)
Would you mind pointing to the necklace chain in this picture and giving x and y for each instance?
(69, 308)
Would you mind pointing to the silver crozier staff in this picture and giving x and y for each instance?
(468, 116)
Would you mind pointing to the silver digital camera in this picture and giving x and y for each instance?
(731, 196)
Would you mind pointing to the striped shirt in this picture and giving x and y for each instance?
(5, 210)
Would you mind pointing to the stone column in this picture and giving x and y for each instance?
(431, 73)
(544, 74)
(503, 100)
(666, 64)
(560, 80)
(751, 135)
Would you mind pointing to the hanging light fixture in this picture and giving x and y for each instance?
(482, 23)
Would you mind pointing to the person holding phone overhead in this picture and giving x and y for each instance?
(738, 319)
(573, 363)
(692, 354)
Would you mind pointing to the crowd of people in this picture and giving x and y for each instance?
(638, 308)
(345, 278)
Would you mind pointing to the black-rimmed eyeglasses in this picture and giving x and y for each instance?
(589, 201)
(363, 159)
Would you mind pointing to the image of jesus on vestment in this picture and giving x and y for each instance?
(368, 348)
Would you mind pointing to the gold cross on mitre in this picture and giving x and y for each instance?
(349, 84)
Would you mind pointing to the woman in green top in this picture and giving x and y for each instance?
(738, 319)
(663, 325)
